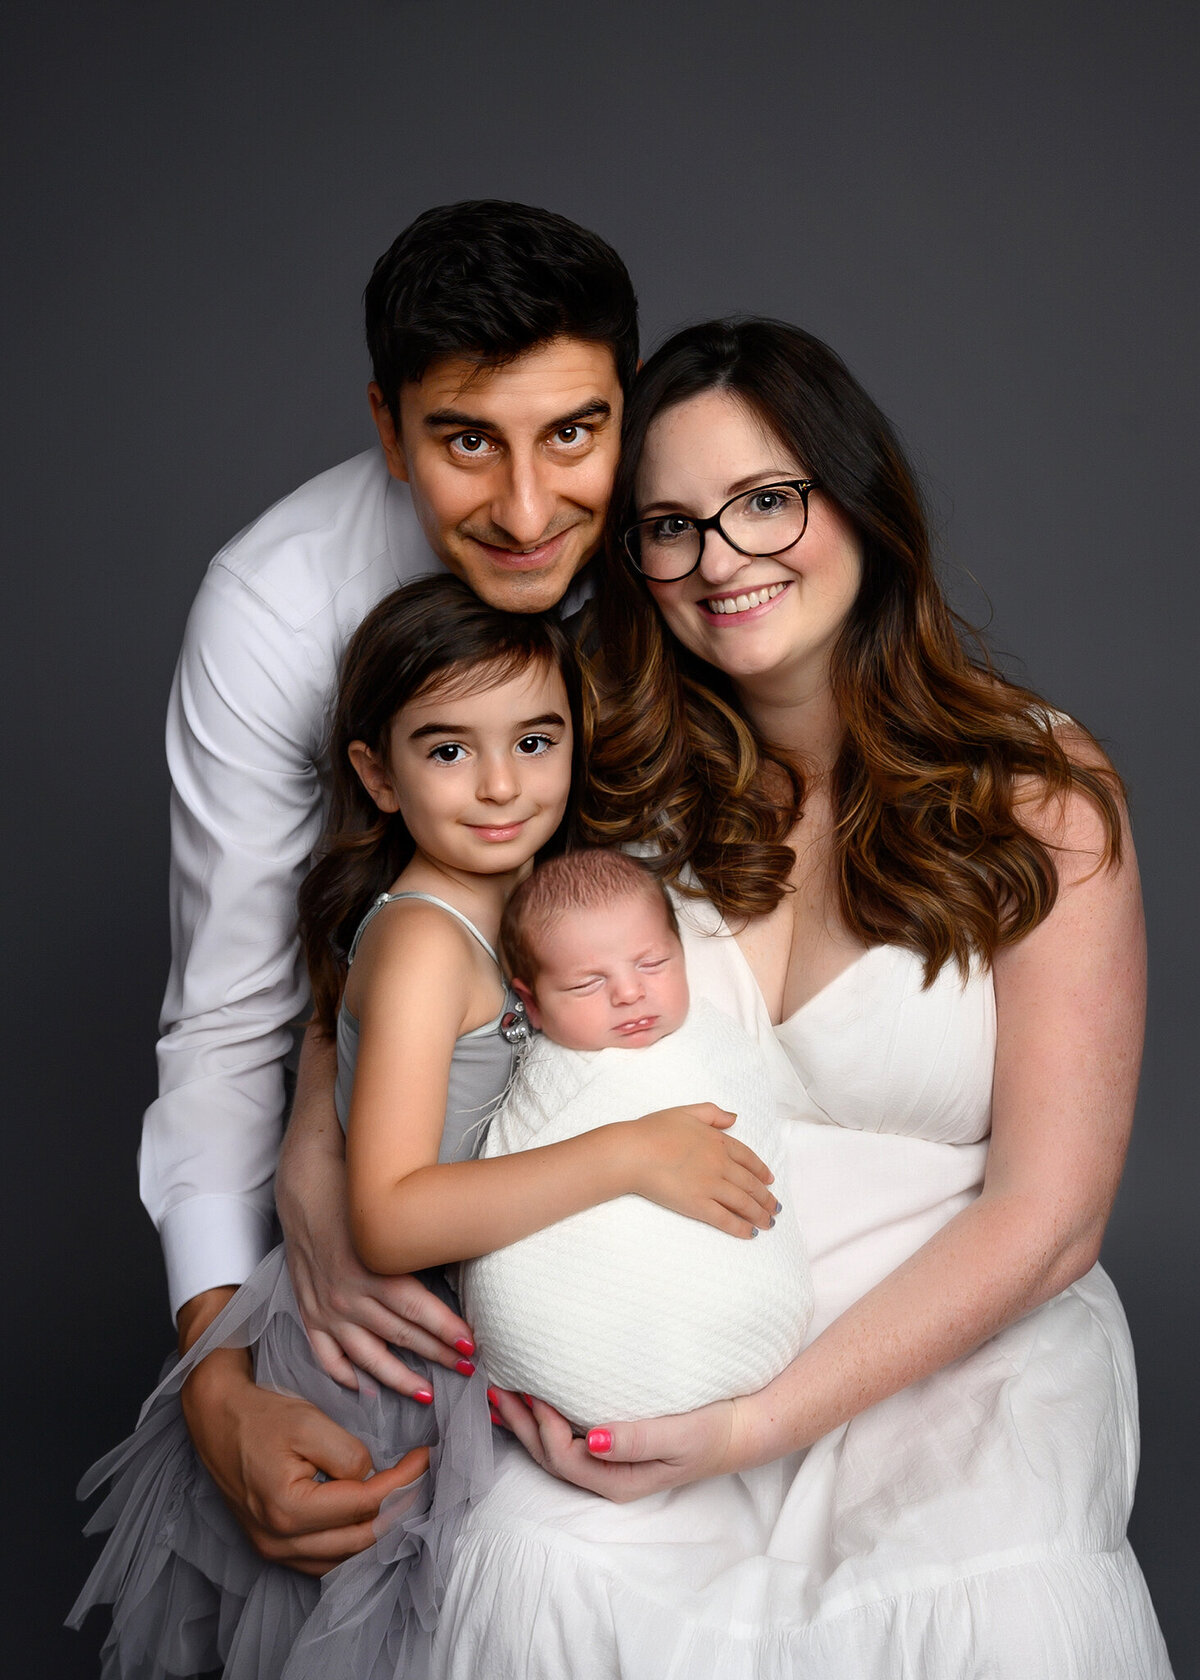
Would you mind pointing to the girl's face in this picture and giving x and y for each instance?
(769, 623)
(481, 778)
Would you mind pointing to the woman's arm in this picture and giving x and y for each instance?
(407, 1211)
(1070, 1004)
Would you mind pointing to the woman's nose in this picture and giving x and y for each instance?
(720, 561)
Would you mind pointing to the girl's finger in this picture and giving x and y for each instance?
(747, 1158)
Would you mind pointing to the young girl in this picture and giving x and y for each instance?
(452, 750)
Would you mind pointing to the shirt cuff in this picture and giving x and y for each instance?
(212, 1241)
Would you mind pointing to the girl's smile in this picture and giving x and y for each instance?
(480, 776)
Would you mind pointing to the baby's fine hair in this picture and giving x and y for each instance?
(575, 880)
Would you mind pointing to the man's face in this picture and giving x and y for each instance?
(511, 467)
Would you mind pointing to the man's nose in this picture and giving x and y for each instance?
(525, 501)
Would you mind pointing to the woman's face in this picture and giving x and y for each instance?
(774, 646)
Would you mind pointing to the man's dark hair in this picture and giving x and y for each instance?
(488, 281)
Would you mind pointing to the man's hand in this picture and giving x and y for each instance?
(350, 1313)
(264, 1450)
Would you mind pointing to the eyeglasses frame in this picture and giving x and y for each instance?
(703, 526)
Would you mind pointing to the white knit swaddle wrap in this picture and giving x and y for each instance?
(628, 1310)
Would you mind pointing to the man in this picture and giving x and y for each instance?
(502, 339)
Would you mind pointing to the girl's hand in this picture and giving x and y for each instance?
(625, 1461)
(680, 1159)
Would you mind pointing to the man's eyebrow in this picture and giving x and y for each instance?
(438, 418)
(769, 475)
(546, 719)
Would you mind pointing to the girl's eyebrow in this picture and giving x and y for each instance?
(546, 718)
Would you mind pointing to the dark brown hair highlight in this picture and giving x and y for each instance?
(938, 751)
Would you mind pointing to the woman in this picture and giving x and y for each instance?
(938, 934)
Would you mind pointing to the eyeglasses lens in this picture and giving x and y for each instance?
(764, 521)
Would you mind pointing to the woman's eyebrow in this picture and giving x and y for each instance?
(768, 475)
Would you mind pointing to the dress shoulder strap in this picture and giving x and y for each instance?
(427, 898)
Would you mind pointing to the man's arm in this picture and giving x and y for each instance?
(246, 706)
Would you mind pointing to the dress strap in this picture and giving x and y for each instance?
(427, 898)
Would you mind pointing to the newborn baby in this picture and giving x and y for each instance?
(628, 1309)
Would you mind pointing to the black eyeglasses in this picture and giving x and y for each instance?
(758, 523)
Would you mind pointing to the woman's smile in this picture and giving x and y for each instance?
(768, 621)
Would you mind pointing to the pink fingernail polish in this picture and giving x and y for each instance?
(425, 1396)
(464, 1346)
(465, 1366)
(599, 1440)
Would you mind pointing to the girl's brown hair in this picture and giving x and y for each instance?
(430, 634)
(930, 850)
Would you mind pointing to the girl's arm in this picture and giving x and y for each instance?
(408, 1211)
(1070, 1004)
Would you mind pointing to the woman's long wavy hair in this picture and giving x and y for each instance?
(431, 634)
(930, 849)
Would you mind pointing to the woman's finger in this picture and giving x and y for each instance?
(332, 1360)
(420, 1308)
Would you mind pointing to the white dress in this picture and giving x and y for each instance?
(971, 1526)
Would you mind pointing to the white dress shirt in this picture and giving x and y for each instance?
(245, 732)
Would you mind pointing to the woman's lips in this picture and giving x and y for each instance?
(737, 607)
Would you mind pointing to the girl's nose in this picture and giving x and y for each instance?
(498, 781)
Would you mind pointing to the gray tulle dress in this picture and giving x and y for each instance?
(190, 1596)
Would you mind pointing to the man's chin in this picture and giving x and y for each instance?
(532, 591)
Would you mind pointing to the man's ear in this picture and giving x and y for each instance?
(525, 993)
(374, 777)
(389, 432)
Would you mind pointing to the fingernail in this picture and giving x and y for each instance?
(465, 1366)
(599, 1440)
(754, 1230)
(528, 1399)
(493, 1397)
(770, 1224)
(465, 1346)
(425, 1396)
(778, 1207)
(495, 1417)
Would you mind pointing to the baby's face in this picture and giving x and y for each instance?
(609, 977)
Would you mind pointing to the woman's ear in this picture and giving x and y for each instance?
(374, 776)
(525, 993)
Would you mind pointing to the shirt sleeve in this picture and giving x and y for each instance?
(245, 719)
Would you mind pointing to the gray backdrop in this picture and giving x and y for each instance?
(990, 210)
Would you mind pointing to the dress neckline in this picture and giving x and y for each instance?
(821, 992)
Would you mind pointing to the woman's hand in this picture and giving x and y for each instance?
(681, 1159)
(351, 1314)
(625, 1461)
